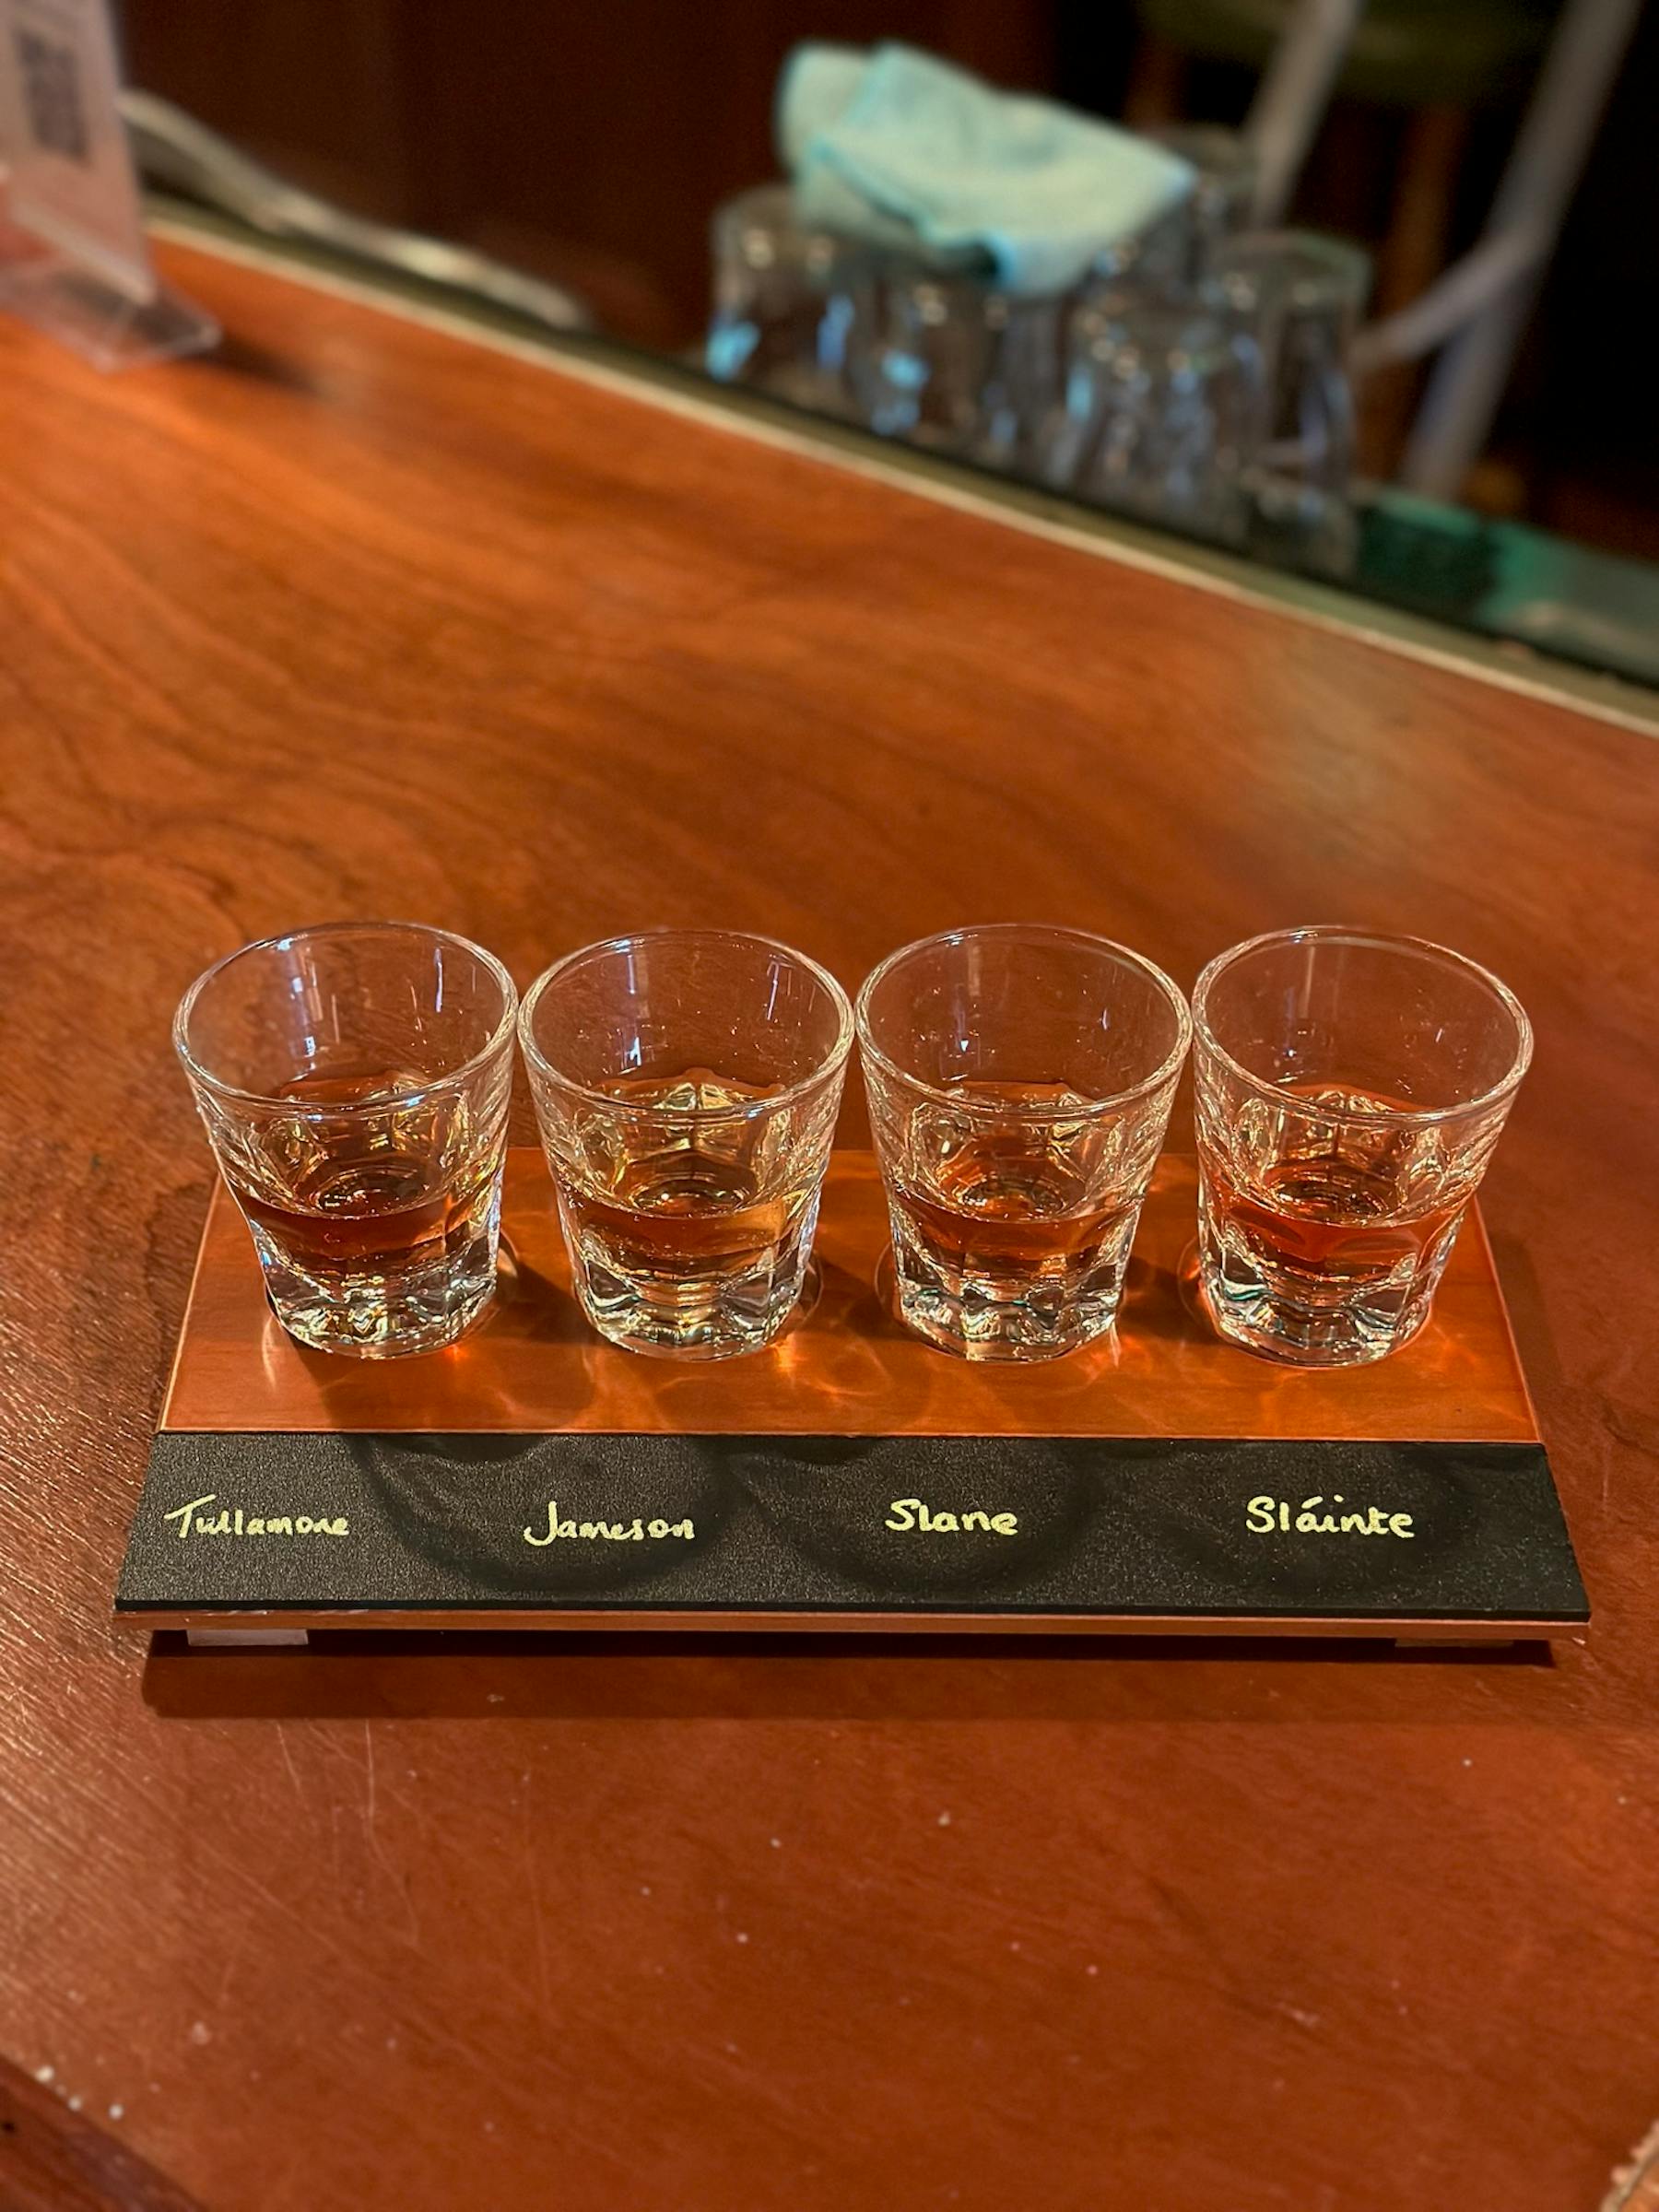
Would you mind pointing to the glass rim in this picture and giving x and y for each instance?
(774, 204)
(1387, 941)
(751, 1109)
(1232, 154)
(1088, 1109)
(501, 1033)
(1279, 245)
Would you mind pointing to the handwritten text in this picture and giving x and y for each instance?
(606, 1531)
(910, 1515)
(1264, 1515)
(194, 1522)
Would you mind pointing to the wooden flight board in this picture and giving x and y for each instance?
(851, 1476)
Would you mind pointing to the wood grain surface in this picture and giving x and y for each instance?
(53, 2159)
(359, 619)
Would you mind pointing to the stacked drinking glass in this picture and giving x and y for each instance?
(1197, 378)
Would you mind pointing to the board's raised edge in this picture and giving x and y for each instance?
(1450, 1629)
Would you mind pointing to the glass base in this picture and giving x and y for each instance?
(101, 325)
(985, 1317)
(1303, 526)
(635, 1327)
(706, 1316)
(1247, 1309)
(376, 1316)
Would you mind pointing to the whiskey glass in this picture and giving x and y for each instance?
(1161, 409)
(1225, 174)
(1350, 1090)
(793, 301)
(1019, 1080)
(686, 1083)
(354, 1081)
(960, 365)
(1301, 296)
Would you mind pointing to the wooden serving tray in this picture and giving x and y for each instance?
(851, 1476)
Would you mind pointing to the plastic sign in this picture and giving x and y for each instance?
(70, 178)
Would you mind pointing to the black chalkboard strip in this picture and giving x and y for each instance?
(995, 1533)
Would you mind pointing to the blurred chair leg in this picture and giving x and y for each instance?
(1544, 169)
(1410, 258)
(1293, 95)
(1157, 81)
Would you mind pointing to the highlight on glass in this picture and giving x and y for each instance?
(1019, 1080)
(686, 1083)
(1350, 1090)
(354, 1082)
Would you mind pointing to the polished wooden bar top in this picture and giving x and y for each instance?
(845, 1366)
(361, 617)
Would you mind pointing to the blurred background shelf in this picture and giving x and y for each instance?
(538, 137)
(1478, 586)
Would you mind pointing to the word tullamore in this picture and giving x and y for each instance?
(194, 1522)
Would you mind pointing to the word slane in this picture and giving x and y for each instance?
(910, 1515)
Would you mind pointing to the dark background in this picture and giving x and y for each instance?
(592, 142)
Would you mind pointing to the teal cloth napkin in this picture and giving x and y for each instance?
(903, 149)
